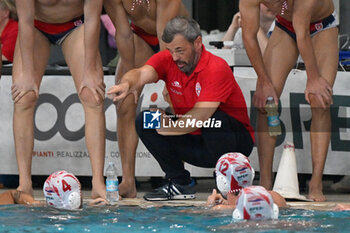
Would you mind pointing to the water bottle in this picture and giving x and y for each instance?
(112, 184)
(273, 120)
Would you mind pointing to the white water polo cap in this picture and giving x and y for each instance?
(62, 190)
(233, 173)
(255, 203)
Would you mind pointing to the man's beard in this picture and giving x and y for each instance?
(189, 67)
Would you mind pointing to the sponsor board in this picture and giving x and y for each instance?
(59, 126)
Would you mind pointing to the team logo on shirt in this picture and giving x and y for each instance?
(198, 88)
(151, 120)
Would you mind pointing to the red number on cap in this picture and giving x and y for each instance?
(223, 167)
(66, 186)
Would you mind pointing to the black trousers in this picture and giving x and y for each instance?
(200, 150)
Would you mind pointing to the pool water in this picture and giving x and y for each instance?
(17, 218)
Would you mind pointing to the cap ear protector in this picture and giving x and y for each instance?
(74, 200)
(223, 184)
(255, 203)
(233, 172)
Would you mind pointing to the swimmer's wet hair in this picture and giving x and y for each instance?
(186, 27)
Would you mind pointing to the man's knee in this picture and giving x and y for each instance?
(28, 100)
(88, 98)
(316, 104)
(127, 109)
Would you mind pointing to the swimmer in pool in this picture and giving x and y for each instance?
(62, 190)
(233, 173)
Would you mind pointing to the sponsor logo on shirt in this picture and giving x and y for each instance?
(175, 91)
(176, 84)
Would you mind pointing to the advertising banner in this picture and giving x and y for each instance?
(59, 126)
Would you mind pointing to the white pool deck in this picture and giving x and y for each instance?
(204, 188)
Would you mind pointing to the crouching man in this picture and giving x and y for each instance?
(210, 118)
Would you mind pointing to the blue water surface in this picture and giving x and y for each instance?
(18, 218)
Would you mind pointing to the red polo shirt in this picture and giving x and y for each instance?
(212, 80)
(8, 39)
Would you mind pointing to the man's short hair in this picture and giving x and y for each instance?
(186, 27)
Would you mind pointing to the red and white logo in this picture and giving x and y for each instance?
(198, 88)
(176, 84)
(318, 26)
(78, 22)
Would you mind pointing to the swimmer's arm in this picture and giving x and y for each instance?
(215, 198)
(166, 10)
(124, 36)
(26, 12)
(23, 198)
(278, 199)
(250, 23)
(92, 12)
(6, 198)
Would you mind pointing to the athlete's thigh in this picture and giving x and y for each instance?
(142, 51)
(280, 56)
(326, 49)
(41, 56)
(74, 52)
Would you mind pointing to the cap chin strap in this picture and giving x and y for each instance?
(223, 184)
(74, 201)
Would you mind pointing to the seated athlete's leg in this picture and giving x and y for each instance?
(327, 62)
(23, 114)
(73, 50)
(126, 133)
(279, 57)
(168, 151)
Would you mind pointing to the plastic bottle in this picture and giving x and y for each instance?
(112, 184)
(273, 120)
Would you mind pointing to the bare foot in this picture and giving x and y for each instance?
(315, 192)
(127, 189)
(26, 189)
(98, 190)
